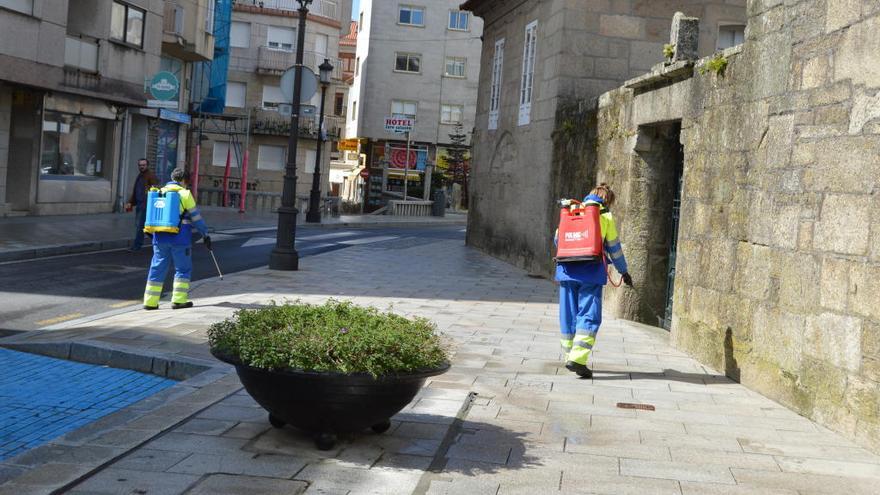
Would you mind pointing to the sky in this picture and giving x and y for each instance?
(354, 9)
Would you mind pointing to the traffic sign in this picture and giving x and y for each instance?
(365, 173)
(307, 89)
(399, 125)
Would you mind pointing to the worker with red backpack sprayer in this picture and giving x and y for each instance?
(586, 238)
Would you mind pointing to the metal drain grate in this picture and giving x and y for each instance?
(640, 407)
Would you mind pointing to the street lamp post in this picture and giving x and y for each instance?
(284, 256)
(314, 214)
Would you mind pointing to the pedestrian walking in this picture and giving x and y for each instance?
(581, 284)
(138, 201)
(175, 248)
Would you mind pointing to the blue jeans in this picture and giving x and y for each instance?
(140, 215)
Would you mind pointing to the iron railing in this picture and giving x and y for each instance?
(275, 61)
(323, 8)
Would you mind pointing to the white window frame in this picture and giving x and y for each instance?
(408, 56)
(411, 8)
(279, 44)
(246, 36)
(728, 25)
(402, 107)
(495, 91)
(236, 84)
(265, 162)
(527, 82)
(322, 54)
(458, 15)
(451, 110)
(457, 62)
(272, 92)
(220, 161)
(311, 156)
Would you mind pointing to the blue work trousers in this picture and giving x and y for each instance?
(580, 315)
(163, 254)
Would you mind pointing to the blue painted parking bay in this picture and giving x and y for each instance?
(42, 398)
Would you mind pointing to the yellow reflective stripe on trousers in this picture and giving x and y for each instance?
(152, 294)
(180, 294)
(582, 348)
(566, 344)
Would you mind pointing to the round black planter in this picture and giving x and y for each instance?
(327, 404)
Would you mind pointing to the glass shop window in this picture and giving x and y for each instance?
(73, 146)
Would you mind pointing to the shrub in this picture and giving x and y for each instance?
(334, 337)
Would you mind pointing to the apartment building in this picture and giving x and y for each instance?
(419, 60)
(345, 179)
(263, 39)
(86, 88)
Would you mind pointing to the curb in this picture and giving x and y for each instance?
(91, 247)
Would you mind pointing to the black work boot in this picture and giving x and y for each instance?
(185, 305)
(150, 308)
(581, 369)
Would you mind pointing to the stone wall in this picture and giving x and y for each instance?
(585, 48)
(778, 262)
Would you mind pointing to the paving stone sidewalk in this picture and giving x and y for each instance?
(506, 419)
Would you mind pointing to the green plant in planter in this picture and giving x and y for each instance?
(335, 337)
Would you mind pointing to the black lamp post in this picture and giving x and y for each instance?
(314, 214)
(284, 256)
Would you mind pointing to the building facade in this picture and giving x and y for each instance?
(86, 89)
(263, 38)
(420, 61)
(748, 190)
(69, 71)
(346, 182)
(543, 63)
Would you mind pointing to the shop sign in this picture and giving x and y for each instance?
(364, 173)
(418, 158)
(179, 117)
(399, 125)
(163, 90)
(348, 145)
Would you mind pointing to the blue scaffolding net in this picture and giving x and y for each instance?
(209, 78)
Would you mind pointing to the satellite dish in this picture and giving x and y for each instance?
(307, 89)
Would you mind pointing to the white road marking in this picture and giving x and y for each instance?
(368, 240)
(333, 235)
(258, 241)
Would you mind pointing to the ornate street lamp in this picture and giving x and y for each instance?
(284, 256)
(314, 214)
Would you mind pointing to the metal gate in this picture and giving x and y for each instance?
(673, 232)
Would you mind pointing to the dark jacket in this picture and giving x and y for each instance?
(142, 185)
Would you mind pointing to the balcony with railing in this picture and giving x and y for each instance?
(275, 61)
(322, 8)
(184, 36)
(81, 53)
(274, 123)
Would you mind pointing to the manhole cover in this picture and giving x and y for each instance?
(640, 407)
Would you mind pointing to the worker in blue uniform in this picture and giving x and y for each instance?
(175, 247)
(580, 289)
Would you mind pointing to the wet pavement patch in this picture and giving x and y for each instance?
(42, 398)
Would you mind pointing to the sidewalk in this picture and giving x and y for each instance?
(36, 237)
(506, 419)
